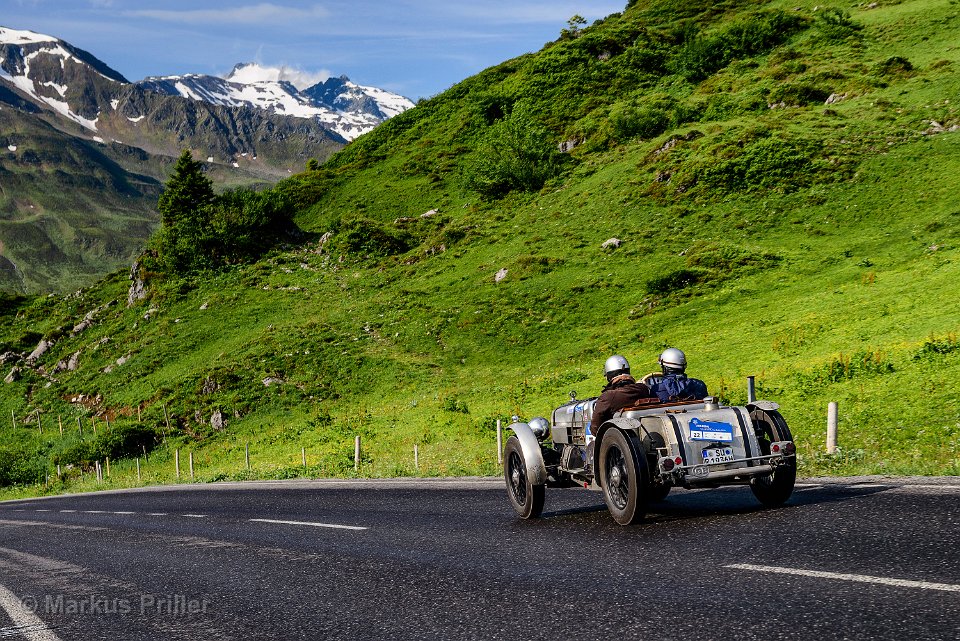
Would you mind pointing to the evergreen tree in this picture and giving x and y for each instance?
(185, 235)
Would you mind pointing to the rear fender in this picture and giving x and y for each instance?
(532, 455)
(629, 426)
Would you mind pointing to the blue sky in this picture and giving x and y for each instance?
(415, 47)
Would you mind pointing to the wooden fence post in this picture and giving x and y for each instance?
(176, 460)
(108, 467)
(60, 423)
(191, 465)
(80, 426)
(246, 454)
(356, 454)
(416, 457)
(39, 424)
(499, 443)
(13, 417)
(138, 468)
(303, 455)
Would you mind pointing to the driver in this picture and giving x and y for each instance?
(674, 385)
(621, 391)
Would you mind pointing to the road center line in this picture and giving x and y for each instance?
(31, 627)
(68, 511)
(329, 525)
(195, 516)
(860, 578)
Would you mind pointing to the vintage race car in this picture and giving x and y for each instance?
(644, 451)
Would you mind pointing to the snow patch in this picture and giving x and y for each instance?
(209, 158)
(114, 103)
(137, 119)
(15, 37)
(60, 89)
(12, 147)
(236, 165)
(98, 139)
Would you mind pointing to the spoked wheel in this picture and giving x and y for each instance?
(526, 498)
(775, 488)
(624, 477)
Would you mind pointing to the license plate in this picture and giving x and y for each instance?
(711, 431)
(712, 456)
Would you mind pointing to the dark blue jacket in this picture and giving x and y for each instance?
(677, 387)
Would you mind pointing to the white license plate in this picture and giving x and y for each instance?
(712, 456)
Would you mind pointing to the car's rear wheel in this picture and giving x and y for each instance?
(525, 497)
(624, 477)
(775, 488)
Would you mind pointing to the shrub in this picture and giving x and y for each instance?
(516, 153)
(675, 280)
(123, 441)
(934, 348)
(360, 235)
(835, 24)
(20, 467)
(701, 56)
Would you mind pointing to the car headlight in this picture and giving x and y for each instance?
(540, 427)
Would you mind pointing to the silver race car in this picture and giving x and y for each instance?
(644, 451)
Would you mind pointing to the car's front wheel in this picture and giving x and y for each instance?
(525, 497)
(624, 477)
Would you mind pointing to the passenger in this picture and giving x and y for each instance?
(674, 385)
(621, 391)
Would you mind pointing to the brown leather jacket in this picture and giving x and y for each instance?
(622, 392)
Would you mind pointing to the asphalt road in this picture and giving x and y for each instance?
(862, 558)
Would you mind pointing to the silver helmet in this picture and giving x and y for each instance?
(672, 360)
(615, 366)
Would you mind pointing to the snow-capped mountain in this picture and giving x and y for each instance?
(84, 152)
(340, 105)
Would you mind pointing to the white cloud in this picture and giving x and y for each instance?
(260, 14)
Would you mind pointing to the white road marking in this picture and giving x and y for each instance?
(868, 485)
(124, 512)
(860, 578)
(70, 511)
(156, 514)
(43, 510)
(330, 525)
(195, 516)
(31, 627)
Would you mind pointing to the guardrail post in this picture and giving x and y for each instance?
(832, 428)
(499, 443)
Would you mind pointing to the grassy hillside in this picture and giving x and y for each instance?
(762, 231)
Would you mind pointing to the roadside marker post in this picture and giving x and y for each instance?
(138, 468)
(191, 465)
(176, 461)
(416, 457)
(246, 454)
(499, 443)
(832, 428)
(356, 454)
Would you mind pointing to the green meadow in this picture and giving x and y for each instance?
(762, 230)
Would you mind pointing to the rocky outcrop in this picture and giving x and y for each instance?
(138, 285)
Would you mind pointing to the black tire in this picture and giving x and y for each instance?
(526, 498)
(775, 488)
(658, 493)
(624, 477)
